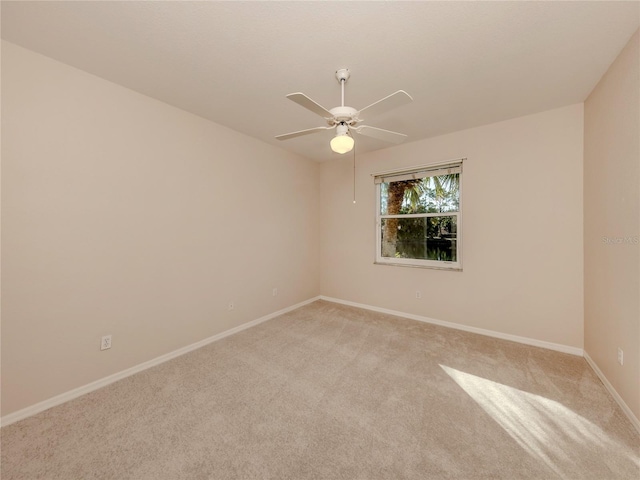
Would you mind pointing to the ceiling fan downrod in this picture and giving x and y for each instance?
(343, 75)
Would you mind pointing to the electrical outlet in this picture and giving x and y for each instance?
(620, 356)
(418, 294)
(231, 306)
(274, 292)
(105, 343)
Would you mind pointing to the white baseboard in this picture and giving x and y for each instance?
(625, 408)
(490, 333)
(90, 387)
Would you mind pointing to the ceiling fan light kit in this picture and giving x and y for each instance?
(342, 142)
(345, 119)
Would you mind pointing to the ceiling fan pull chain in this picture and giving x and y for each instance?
(354, 173)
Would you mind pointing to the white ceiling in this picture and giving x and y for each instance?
(464, 63)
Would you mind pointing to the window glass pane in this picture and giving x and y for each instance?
(423, 195)
(423, 238)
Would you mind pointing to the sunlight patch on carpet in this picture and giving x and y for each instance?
(544, 428)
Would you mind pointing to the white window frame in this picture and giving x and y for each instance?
(419, 172)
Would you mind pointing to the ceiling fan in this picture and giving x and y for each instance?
(347, 119)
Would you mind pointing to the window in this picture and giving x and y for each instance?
(418, 218)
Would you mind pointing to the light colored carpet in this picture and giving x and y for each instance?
(334, 392)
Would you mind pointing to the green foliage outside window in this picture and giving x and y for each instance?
(428, 237)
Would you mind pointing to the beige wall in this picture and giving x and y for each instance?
(522, 230)
(122, 215)
(612, 215)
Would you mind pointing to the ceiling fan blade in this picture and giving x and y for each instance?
(299, 133)
(390, 102)
(381, 134)
(302, 100)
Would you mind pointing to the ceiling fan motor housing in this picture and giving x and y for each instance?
(348, 115)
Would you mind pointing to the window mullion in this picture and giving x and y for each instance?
(421, 215)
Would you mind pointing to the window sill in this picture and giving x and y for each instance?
(390, 264)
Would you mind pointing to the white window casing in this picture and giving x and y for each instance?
(423, 242)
